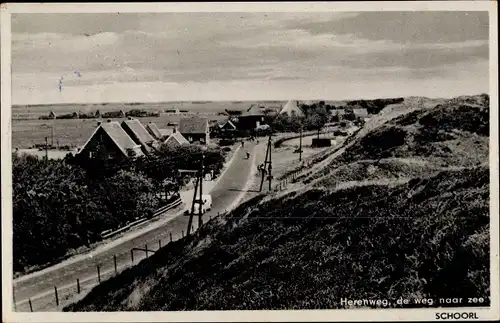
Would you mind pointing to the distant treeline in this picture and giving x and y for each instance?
(110, 114)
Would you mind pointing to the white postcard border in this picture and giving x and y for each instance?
(491, 313)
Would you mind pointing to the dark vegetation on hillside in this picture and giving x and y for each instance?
(62, 205)
(426, 236)
(451, 134)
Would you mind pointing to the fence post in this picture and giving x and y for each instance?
(170, 236)
(31, 305)
(116, 267)
(98, 273)
(57, 297)
(146, 248)
(132, 255)
(78, 285)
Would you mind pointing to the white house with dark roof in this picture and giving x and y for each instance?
(110, 141)
(195, 130)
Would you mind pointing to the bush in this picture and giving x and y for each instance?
(57, 207)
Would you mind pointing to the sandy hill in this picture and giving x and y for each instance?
(401, 210)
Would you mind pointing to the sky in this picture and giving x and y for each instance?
(154, 57)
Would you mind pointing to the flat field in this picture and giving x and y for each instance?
(28, 130)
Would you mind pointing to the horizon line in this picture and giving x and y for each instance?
(234, 101)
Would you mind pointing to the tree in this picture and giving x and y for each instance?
(317, 117)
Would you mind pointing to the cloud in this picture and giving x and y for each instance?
(409, 27)
(224, 48)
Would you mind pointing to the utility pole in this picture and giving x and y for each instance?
(200, 210)
(198, 184)
(270, 177)
(46, 149)
(268, 163)
(300, 144)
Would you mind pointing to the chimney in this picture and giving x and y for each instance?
(175, 129)
(98, 123)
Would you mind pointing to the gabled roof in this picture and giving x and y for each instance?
(226, 124)
(153, 130)
(193, 125)
(254, 110)
(176, 137)
(138, 131)
(292, 107)
(117, 135)
(167, 131)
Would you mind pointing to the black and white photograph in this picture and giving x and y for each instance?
(280, 158)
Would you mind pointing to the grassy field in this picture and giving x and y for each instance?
(35, 111)
(28, 130)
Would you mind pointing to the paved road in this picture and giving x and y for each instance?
(40, 289)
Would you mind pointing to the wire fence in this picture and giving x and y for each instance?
(105, 268)
(63, 295)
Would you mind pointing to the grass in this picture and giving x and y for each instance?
(307, 250)
(412, 223)
(74, 132)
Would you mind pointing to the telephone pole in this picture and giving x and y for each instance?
(300, 144)
(199, 192)
(46, 149)
(268, 166)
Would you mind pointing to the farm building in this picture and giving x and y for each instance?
(195, 130)
(251, 118)
(139, 134)
(52, 115)
(292, 109)
(227, 126)
(176, 139)
(154, 131)
(110, 141)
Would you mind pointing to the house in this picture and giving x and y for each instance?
(292, 109)
(110, 141)
(139, 134)
(251, 118)
(52, 115)
(195, 129)
(176, 139)
(227, 126)
(154, 131)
